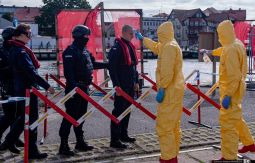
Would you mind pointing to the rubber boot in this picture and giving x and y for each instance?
(173, 160)
(248, 148)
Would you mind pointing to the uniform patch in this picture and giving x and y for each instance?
(68, 56)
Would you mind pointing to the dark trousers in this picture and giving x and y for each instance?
(9, 116)
(120, 105)
(18, 125)
(75, 107)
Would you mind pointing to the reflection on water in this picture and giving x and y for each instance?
(149, 67)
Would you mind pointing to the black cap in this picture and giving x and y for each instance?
(80, 31)
(8, 33)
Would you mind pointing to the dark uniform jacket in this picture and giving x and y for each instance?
(78, 67)
(122, 75)
(25, 74)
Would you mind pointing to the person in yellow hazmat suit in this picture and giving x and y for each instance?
(233, 69)
(170, 84)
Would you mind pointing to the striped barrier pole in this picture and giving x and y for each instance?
(208, 93)
(132, 101)
(46, 114)
(45, 110)
(195, 90)
(131, 107)
(96, 105)
(58, 81)
(100, 85)
(56, 107)
(100, 89)
(93, 84)
(100, 102)
(26, 129)
(198, 98)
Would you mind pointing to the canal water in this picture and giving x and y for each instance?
(149, 67)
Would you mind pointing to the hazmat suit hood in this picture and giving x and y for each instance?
(165, 32)
(226, 33)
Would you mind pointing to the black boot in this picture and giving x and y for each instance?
(19, 143)
(5, 145)
(127, 139)
(81, 145)
(64, 148)
(118, 145)
(34, 153)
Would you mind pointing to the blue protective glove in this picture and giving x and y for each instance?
(160, 95)
(138, 35)
(226, 102)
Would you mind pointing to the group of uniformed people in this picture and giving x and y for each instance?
(79, 64)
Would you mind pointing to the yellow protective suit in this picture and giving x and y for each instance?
(233, 69)
(170, 77)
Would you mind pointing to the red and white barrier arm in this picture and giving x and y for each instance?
(26, 129)
(131, 107)
(96, 105)
(100, 102)
(131, 100)
(46, 114)
(55, 107)
(62, 101)
(93, 84)
(58, 81)
(208, 93)
(100, 89)
(100, 85)
(185, 110)
(197, 91)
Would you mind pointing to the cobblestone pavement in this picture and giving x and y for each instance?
(146, 144)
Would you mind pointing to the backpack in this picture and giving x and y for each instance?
(6, 77)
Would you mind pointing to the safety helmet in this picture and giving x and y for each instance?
(80, 31)
(8, 33)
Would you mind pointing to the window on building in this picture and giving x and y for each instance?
(152, 32)
(196, 23)
(150, 23)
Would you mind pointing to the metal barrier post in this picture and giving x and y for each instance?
(26, 129)
(45, 110)
(198, 123)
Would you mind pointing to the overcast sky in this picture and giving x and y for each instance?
(151, 7)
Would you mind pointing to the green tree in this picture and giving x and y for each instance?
(8, 16)
(46, 21)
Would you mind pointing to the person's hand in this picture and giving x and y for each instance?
(136, 87)
(226, 102)
(138, 35)
(205, 51)
(160, 95)
(51, 90)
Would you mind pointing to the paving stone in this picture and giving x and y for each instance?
(146, 143)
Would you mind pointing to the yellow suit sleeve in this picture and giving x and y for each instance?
(233, 72)
(168, 61)
(152, 45)
(217, 52)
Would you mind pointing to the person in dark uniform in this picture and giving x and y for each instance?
(123, 73)
(78, 67)
(24, 69)
(6, 84)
